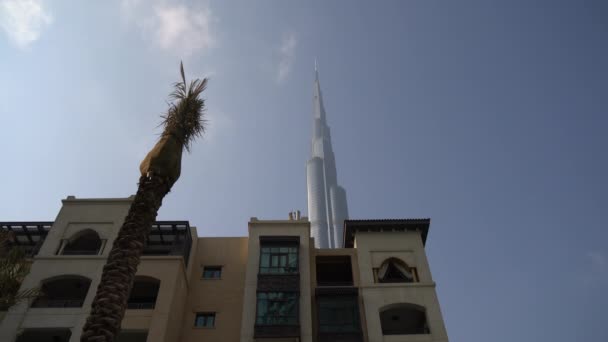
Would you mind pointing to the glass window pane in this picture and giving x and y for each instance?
(293, 260)
(205, 320)
(265, 260)
(274, 262)
(275, 308)
(154, 238)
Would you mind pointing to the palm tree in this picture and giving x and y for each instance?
(14, 266)
(160, 169)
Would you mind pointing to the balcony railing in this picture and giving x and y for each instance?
(334, 283)
(141, 306)
(57, 303)
(169, 238)
(275, 331)
(81, 252)
(27, 235)
(340, 337)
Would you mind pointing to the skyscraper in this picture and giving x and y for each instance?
(327, 208)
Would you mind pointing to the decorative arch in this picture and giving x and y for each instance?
(64, 291)
(403, 319)
(394, 270)
(143, 293)
(83, 242)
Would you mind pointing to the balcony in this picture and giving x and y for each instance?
(67, 291)
(143, 293)
(334, 271)
(165, 238)
(169, 238)
(45, 335)
(132, 336)
(27, 235)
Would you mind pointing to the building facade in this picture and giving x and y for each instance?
(327, 206)
(272, 285)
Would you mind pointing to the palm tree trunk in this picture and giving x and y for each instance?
(110, 303)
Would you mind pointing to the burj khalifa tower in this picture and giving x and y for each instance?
(327, 208)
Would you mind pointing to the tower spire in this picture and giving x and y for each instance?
(327, 207)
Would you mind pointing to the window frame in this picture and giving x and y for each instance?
(219, 277)
(274, 270)
(205, 315)
(412, 269)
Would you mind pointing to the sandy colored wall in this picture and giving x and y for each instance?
(223, 296)
(170, 271)
(102, 215)
(372, 249)
(105, 216)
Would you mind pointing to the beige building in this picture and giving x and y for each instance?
(272, 285)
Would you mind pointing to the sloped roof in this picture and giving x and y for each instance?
(380, 225)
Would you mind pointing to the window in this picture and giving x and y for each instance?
(394, 270)
(204, 320)
(277, 308)
(278, 260)
(403, 319)
(338, 314)
(212, 272)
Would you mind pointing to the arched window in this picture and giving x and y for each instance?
(394, 270)
(143, 293)
(63, 292)
(86, 242)
(403, 319)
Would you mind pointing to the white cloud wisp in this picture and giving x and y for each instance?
(175, 28)
(24, 20)
(287, 55)
(597, 272)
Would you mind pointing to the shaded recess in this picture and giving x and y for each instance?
(67, 291)
(403, 319)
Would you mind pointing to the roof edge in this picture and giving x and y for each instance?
(379, 225)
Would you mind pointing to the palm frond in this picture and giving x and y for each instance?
(185, 117)
(13, 268)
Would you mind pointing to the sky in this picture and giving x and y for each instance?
(488, 117)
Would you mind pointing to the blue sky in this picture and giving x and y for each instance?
(488, 117)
